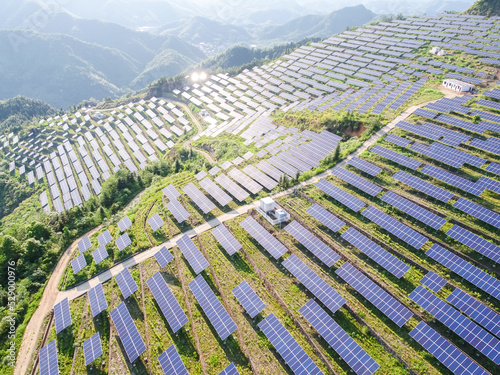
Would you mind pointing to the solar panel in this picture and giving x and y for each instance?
(171, 192)
(104, 238)
(476, 310)
(123, 241)
(356, 181)
(287, 346)
(169, 306)
(376, 252)
(458, 323)
(260, 177)
(126, 283)
(326, 218)
(194, 256)
(382, 300)
(155, 222)
(198, 198)
(215, 191)
(365, 166)
(232, 187)
(48, 359)
(78, 263)
(423, 186)
(163, 257)
(127, 330)
(171, 362)
(433, 281)
(393, 226)
(124, 224)
(84, 244)
(263, 237)
(396, 157)
(315, 284)
(414, 210)
(178, 210)
(212, 307)
(478, 211)
(340, 195)
(475, 242)
(452, 179)
(97, 300)
(230, 370)
(92, 349)
(226, 239)
(99, 254)
(245, 181)
(350, 351)
(444, 351)
(250, 301)
(322, 251)
(62, 315)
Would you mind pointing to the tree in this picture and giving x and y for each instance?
(476, 119)
(38, 231)
(10, 248)
(336, 153)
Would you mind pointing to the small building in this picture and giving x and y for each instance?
(438, 51)
(456, 85)
(99, 116)
(273, 213)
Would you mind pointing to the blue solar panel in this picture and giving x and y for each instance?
(350, 351)
(250, 301)
(78, 263)
(171, 362)
(322, 251)
(163, 257)
(99, 254)
(104, 238)
(48, 359)
(393, 226)
(127, 330)
(453, 180)
(287, 347)
(414, 210)
(433, 281)
(230, 370)
(62, 315)
(126, 283)
(226, 239)
(476, 310)
(365, 166)
(400, 141)
(84, 244)
(326, 218)
(199, 198)
(216, 313)
(97, 300)
(478, 211)
(493, 168)
(396, 157)
(315, 284)
(444, 351)
(458, 323)
(263, 237)
(382, 300)
(423, 186)
(194, 256)
(376, 253)
(475, 242)
(340, 195)
(169, 306)
(92, 349)
(356, 181)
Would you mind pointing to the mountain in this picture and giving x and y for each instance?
(16, 111)
(488, 8)
(318, 25)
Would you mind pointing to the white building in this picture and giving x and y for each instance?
(273, 213)
(456, 85)
(438, 51)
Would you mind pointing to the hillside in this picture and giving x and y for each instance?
(488, 8)
(16, 111)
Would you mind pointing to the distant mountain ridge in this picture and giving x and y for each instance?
(489, 8)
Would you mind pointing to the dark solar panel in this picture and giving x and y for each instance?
(396, 157)
(263, 237)
(97, 300)
(48, 359)
(62, 315)
(475, 242)
(230, 370)
(356, 181)
(171, 362)
(129, 335)
(478, 211)
(433, 281)
(250, 301)
(126, 283)
(226, 239)
(194, 256)
(400, 141)
(92, 349)
(365, 166)
(340, 195)
(423, 186)
(326, 218)
(163, 257)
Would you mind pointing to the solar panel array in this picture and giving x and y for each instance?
(123, 241)
(163, 257)
(478, 211)
(458, 323)
(423, 186)
(126, 283)
(376, 252)
(226, 239)
(212, 307)
(315, 284)
(288, 348)
(78, 263)
(178, 210)
(350, 351)
(127, 330)
(232, 187)
(230, 370)
(382, 300)
(322, 251)
(171, 192)
(400, 141)
(444, 351)
(124, 224)
(433, 281)
(62, 315)
(264, 238)
(475, 242)
(48, 359)
(92, 349)
(169, 306)
(250, 301)
(97, 300)
(326, 218)
(104, 238)
(365, 166)
(215, 191)
(340, 195)
(199, 198)
(99, 254)
(193, 255)
(155, 222)
(356, 181)
(396, 157)
(84, 244)
(171, 362)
